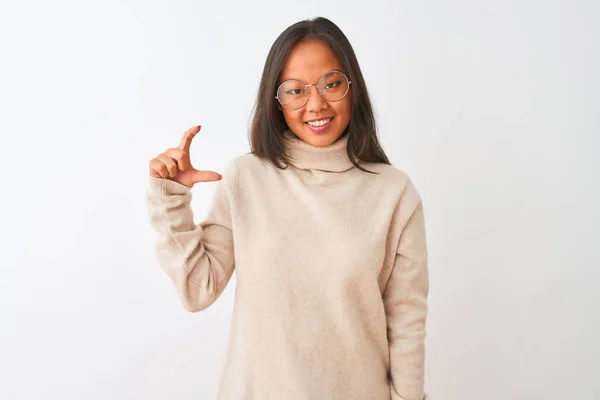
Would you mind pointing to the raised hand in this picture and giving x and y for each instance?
(175, 164)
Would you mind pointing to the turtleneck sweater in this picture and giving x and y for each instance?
(331, 271)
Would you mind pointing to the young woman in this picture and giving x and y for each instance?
(326, 237)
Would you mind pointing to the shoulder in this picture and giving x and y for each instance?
(246, 161)
(396, 182)
(392, 176)
(248, 165)
(387, 172)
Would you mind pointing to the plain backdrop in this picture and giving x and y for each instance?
(492, 108)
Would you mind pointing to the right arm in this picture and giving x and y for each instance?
(199, 258)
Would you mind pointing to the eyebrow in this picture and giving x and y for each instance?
(281, 80)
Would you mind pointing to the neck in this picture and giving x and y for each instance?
(331, 158)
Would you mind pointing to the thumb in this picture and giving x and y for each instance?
(205, 176)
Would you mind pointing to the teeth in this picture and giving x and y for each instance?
(319, 123)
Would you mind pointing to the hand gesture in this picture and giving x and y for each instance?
(174, 163)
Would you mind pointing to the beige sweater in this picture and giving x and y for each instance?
(332, 278)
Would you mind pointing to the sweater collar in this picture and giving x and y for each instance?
(331, 158)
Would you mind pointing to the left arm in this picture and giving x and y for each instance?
(405, 301)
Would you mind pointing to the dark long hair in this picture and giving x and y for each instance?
(267, 126)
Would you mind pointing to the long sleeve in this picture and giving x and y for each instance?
(199, 258)
(405, 300)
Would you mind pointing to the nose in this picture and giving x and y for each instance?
(315, 102)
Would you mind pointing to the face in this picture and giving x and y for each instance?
(307, 63)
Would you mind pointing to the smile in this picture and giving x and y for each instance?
(320, 122)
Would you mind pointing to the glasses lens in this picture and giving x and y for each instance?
(333, 86)
(292, 94)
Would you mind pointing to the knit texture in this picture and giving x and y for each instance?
(331, 270)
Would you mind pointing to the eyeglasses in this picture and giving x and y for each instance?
(332, 86)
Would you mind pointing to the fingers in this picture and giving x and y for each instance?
(186, 140)
(206, 176)
(158, 169)
(181, 158)
(169, 163)
(172, 161)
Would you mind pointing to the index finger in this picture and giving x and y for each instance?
(186, 140)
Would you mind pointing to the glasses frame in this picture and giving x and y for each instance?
(318, 91)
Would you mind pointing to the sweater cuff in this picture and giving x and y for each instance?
(167, 187)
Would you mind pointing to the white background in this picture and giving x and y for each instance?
(491, 107)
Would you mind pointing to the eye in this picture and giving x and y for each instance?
(332, 85)
(294, 92)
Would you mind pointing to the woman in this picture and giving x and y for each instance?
(327, 238)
